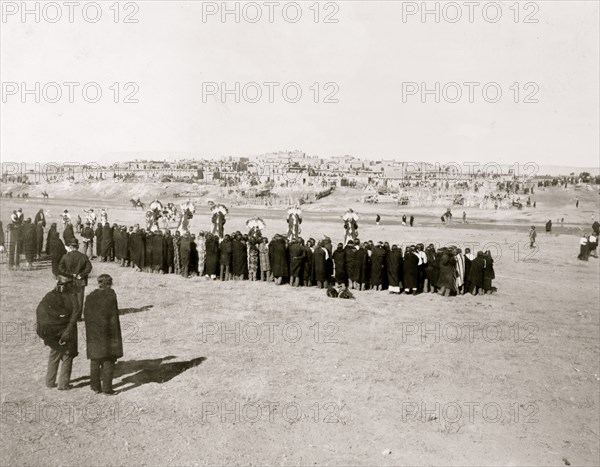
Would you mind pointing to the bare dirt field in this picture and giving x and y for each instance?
(252, 373)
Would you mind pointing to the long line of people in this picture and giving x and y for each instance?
(356, 265)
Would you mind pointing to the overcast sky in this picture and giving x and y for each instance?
(369, 53)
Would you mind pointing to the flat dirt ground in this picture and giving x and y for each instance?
(252, 373)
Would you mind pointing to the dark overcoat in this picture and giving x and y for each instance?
(102, 326)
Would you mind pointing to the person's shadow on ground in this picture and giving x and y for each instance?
(151, 371)
(127, 311)
(145, 371)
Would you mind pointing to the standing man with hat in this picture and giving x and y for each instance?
(76, 265)
(88, 240)
(57, 326)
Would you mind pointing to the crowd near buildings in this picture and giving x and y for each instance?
(290, 169)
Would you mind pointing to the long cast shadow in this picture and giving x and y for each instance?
(153, 371)
(127, 311)
(127, 368)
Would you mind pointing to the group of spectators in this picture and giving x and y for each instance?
(356, 265)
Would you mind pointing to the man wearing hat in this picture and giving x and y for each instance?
(57, 326)
(88, 240)
(77, 266)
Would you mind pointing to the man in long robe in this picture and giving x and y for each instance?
(339, 265)
(297, 259)
(362, 266)
(225, 252)
(158, 252)
(350, 258)
(477, 274)
(309, 263)
(99, 241)
(378, 264)
(211, 268)
(107, 242)
(321, 268)
(394, 269)
(411, 271)
(185, 249)
(239, 257)
(103, 335)
(278, 258)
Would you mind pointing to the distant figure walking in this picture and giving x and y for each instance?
(576, 202)
(404, 219)
(464, 217)
(549, 226)
(532, 236)
(412, 220)
(377, 219)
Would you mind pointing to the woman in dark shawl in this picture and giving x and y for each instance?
(107, 242)
(394, 269)
(211, 267)
(56, 250)
(488, 273)
(446, 281)
(477, 273)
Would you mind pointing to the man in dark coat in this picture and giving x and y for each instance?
(57, 326)
(411, 270)
(169, 252)
(309, 263)
(99, 241)
(39, 239)
(211, 265)
(278, 258)
(56, 249)
(68, 233)
(321, 269)
(339, 265)
(225, 259)
(87, 235)
(488, 273)
(394, 269)
(350, 258)
(148, 251)
(137, 242)
(77, 266)
(40, 216)
(378, 265)
(185, 249)
(476, 277)
(239, 257)
(297, 259)
(158, 252)
(107, 242)
(103, 334)
(29, 241)
(361, 266)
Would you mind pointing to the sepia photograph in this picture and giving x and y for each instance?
(299, 233)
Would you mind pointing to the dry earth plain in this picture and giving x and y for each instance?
(251, 373)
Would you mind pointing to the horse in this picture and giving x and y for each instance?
(45, 195)
(137, 203)
(294, 220)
